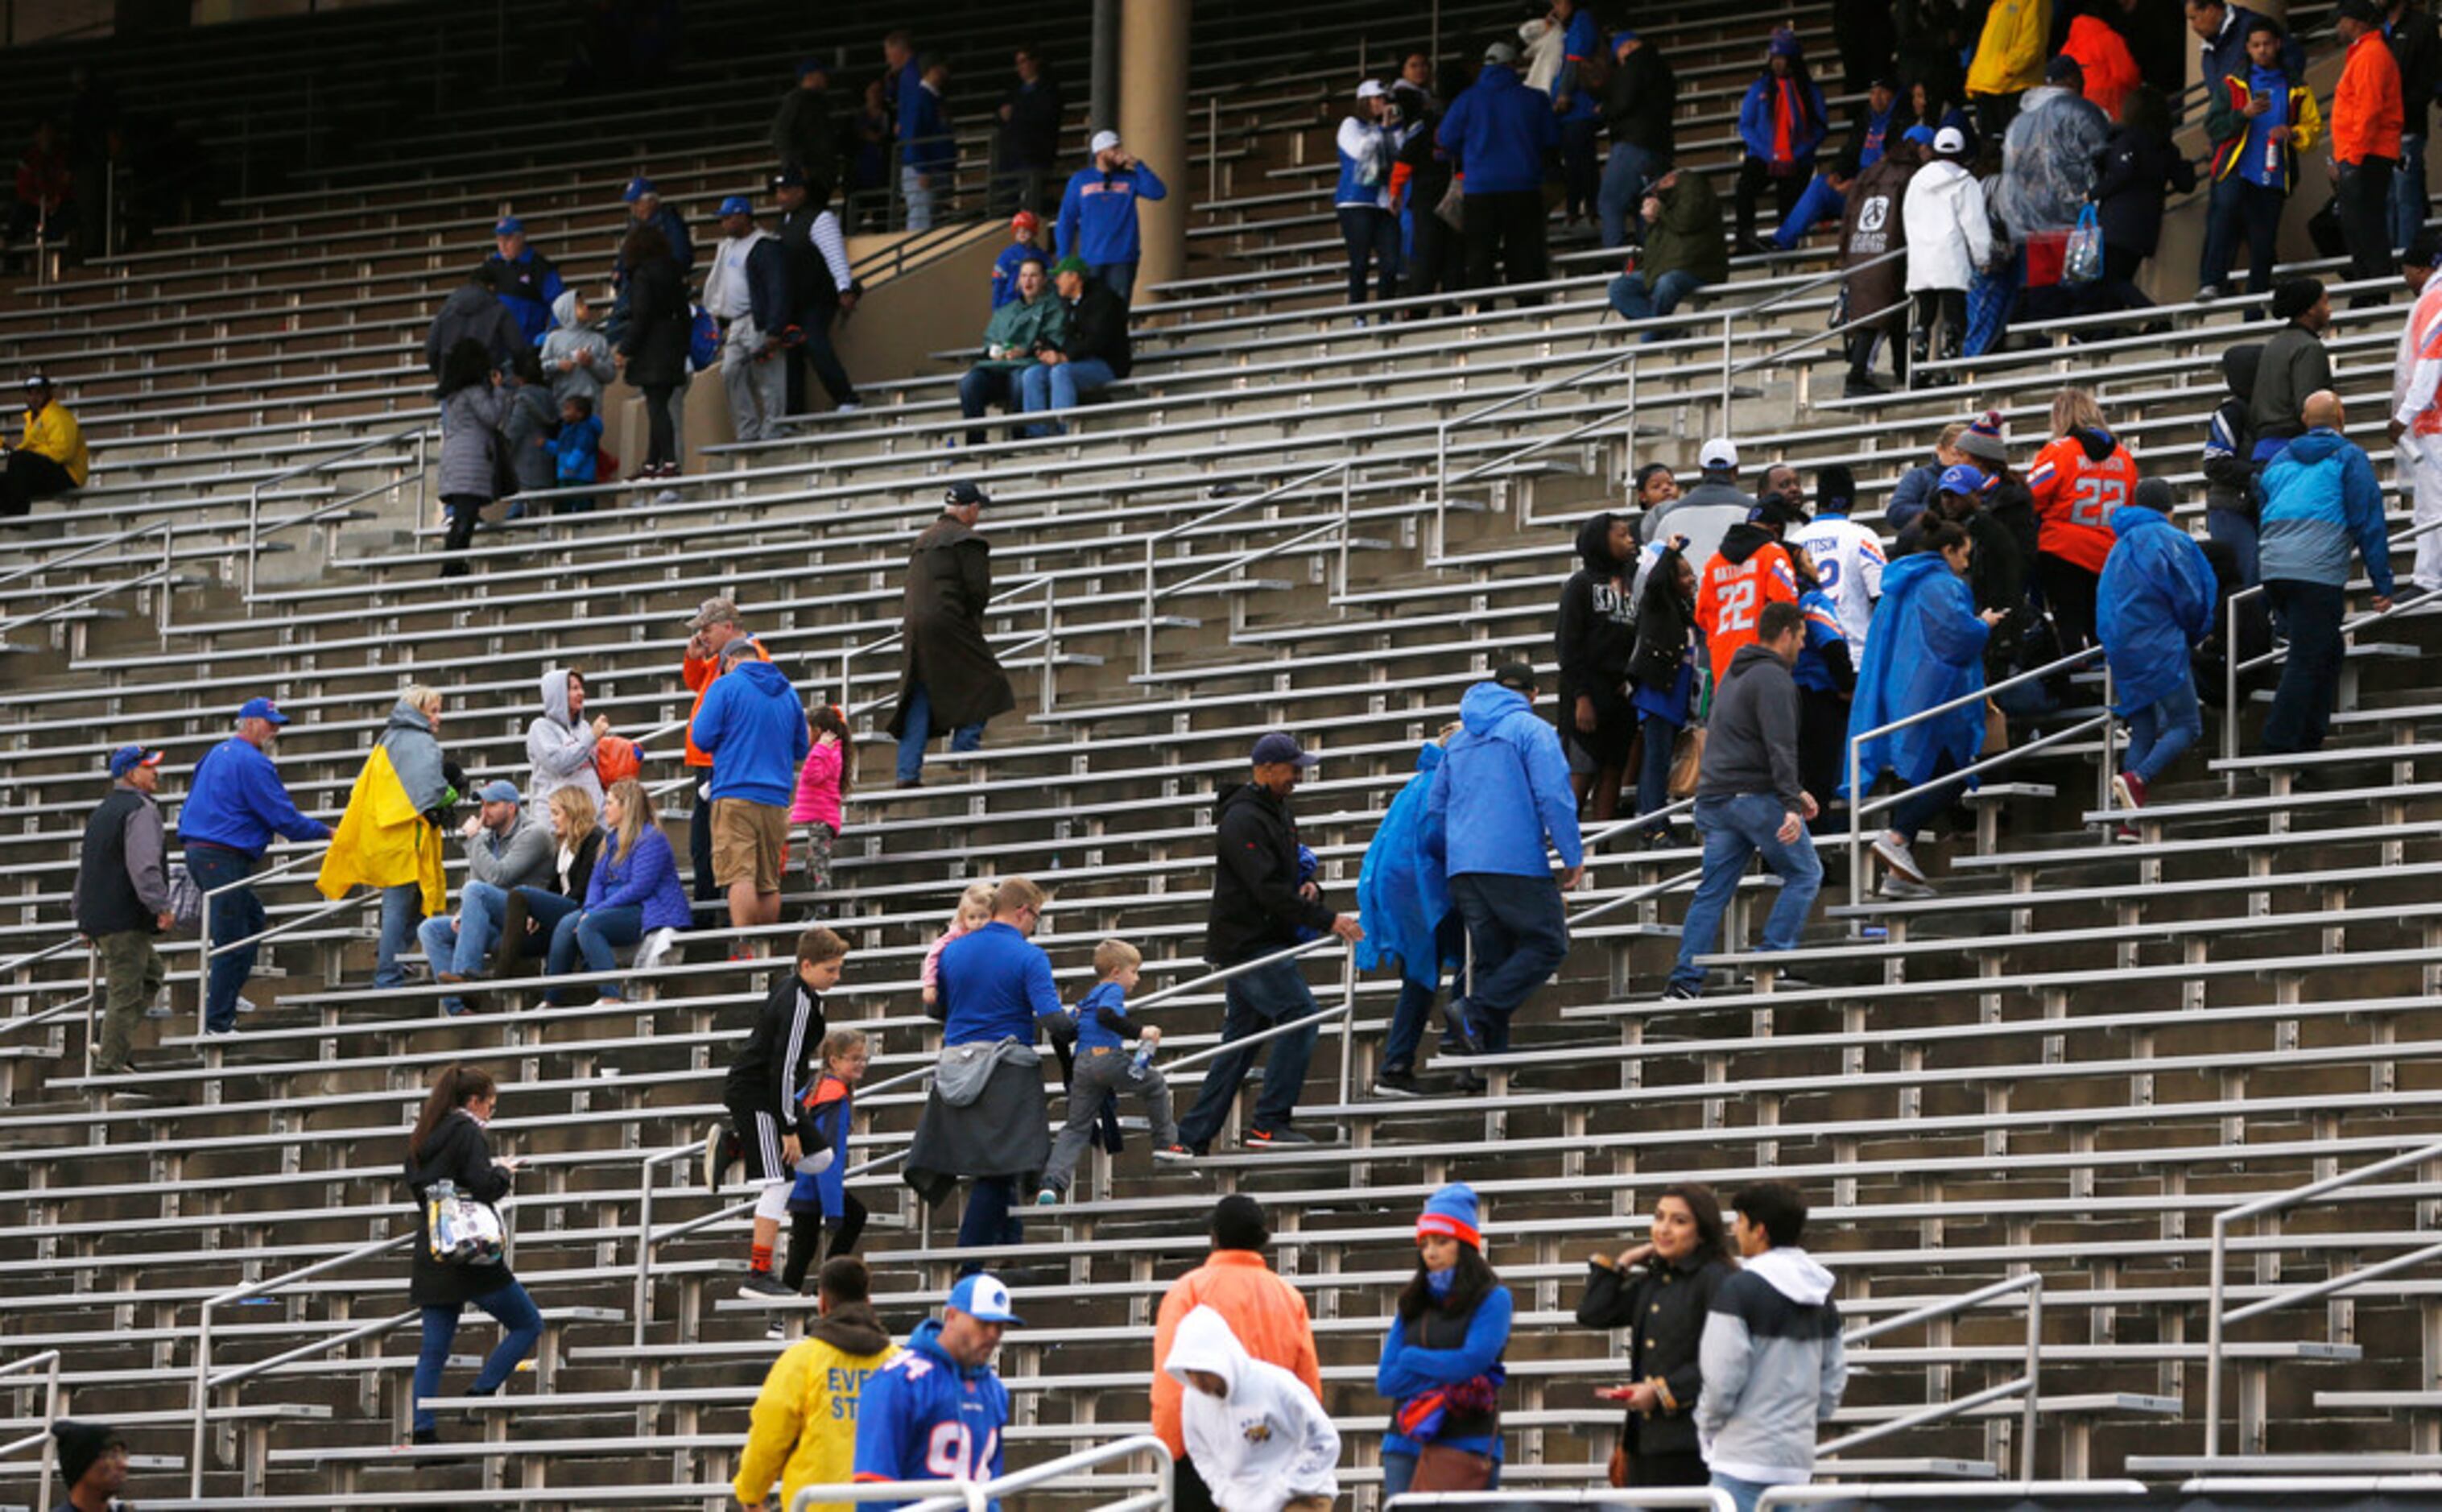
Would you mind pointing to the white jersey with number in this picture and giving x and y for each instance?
(1848, 564)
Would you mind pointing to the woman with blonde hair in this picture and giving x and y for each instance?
(389, 838)
(2077, 481)
(634, 890)
(533, 912)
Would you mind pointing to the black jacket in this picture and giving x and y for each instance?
(811, 285)
(2139, 170)
(2229, 451)
(1663, 1306)
(1098, 327)
(1597, 628)
(1636, 105)
(1664, 620)
(804, 137)
(107, 899)
(2417, 49)
(472, 310)
(1428, 167)
(457, 1151)
(658, 326)
(776, 1056)
(1256, 908)
(1030, 137)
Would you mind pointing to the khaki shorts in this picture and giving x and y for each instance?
(749, 843)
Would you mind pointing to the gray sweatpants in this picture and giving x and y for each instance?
(1100, 1074)
(759, 390)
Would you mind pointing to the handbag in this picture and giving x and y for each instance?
(1996, 730)
(2082, 262)
(186, 901)
(1619, 1465)
(459, 1231)
(1440, 1467)
(1688, 762)
(1452, 209)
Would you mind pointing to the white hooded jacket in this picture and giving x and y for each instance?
(560, 748)
(1949, 235)
(1264, 1444)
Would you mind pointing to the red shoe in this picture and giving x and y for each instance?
(2128, 790)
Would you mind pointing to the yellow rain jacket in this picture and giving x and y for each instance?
(2010, 56)
(55, 434)
(384, 839)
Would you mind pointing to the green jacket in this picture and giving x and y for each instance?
(1023, 327)
(1687, 237)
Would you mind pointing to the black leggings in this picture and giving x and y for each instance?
(806, 1236)
(2069, 593)
(662, 447)
(464, 510)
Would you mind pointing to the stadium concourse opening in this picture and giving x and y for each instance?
(1257, 755)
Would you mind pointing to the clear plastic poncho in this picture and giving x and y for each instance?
(2049, 161)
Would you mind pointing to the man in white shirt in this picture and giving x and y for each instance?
(747, 292)
(1848, 557)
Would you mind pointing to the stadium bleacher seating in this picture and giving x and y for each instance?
(2064, 1066)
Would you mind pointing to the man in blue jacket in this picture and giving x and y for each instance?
(927, 154)
(1501, 797)
(525, 279)
(1499, 130)
(937, 1411)
(2153, 605)
(236, 804)
(2319, 499)
(755, 730)
(1098, 214)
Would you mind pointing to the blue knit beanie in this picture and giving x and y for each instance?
(1451, 1213)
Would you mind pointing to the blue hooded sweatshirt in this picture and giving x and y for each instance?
(2155, 603)
(1097, 213)
(1927, 647)
(1503, 788)
(755, 730)
(2320, 494)
(903, 1418)
(1498, 131)
(1401, 893)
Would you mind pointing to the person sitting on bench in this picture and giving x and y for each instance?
(48, 459)
(1092, 356)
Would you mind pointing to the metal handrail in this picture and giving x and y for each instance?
(49, 1446)
(2027, 1385)
(944, 1495)
(164, 574)
(255, 530)
(2216, 1316)
(1153, 594)
(1712, 1498)
(1860, 805)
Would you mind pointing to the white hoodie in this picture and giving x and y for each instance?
(1948, 234)
(1772, 1366)
(1268, 1441)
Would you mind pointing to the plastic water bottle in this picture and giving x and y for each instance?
(1142, 1058)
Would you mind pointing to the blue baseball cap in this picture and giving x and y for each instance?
(262, 709)
(737, 204)
(128, 758)
(1920, 134)
(983, 1297)
(499, 792)
(1960, 478)
(1281, 746)
(813, 66)
(508, 226)
(638, 188)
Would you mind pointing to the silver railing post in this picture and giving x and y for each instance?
(1347, 1021)
(253, 535)
(1144, 658)
(1211, 147)
(1050, 646)
(203, 1397)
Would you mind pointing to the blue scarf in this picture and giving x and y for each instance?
(1440, 1282)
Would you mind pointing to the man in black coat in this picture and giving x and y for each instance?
(1636, 105)
(1095, 355)
(122, 900)
(1258, 907)
(2416, 46)
(1029, 144)
(473, 310)
(804, 136)
(948, 674)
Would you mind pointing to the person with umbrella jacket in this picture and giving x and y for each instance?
(1659, 1292)
(948, 675)
(1401, 888)
(2155, 605)
(390, 837)
(653, 350)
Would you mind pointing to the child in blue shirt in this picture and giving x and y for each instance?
(576, 451)
(1109, 1046)
(822, 1201)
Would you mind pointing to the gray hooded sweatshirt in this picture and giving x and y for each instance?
(560, 748)
(1773, 1369)
(568, 340)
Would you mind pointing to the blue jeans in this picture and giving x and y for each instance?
(1820, 202)
(2237, 532)
(1653, 770)
(593, 932)
(1119, 278)
(402, 909)
(1372, 237)
(544, 910)
(2409, 203)
(1415, 1002)
(521, 1327)
(1520, 934)
(1620, 201)
(1745, 1493)
(991, 1218)
(459, 945)
(2159, 733)
(1628, 295)
(235, 916)
(1060, 386)
(1399, 1472)
(1735, 830)
(1254, 1001)
(915, 727)
(980, 389)
(2237, 208)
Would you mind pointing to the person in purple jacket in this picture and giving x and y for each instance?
(633, 891)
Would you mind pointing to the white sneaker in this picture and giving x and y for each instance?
(2207, 293)
(1897, 888)
(220, 1034)
(1896, 855)
(850, 407)
(248, 1005)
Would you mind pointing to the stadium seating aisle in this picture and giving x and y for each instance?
(2066, 1064)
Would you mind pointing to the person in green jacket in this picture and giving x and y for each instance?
(1683, 251)
(1035, 319)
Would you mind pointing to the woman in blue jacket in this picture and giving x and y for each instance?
(1782, 122)
(633, 891)
(1926, 648)
(1441, 1363)
(2154, 605)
